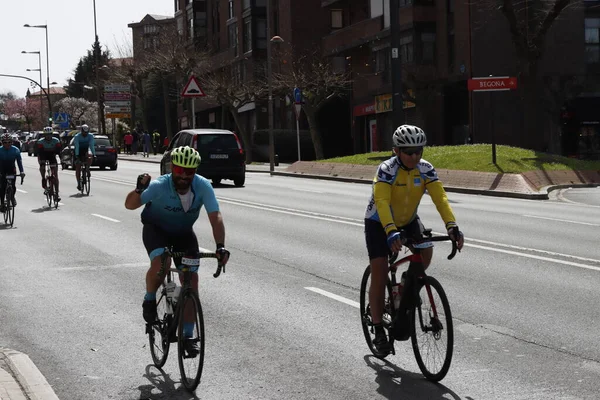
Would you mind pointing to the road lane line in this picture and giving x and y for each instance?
(106, 218)
(21, 191)
(561, 220)
(334, 296)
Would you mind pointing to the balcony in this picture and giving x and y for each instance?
(352, 36)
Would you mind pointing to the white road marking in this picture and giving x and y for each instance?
(334, 296)
(106, 218)
(308, 190)
(21, 191)
(561, 220)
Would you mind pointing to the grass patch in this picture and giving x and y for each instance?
(478, 157)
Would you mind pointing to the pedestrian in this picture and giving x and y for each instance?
(155, 141)
(136, 140)
(146, 144)
(165, 144)
(128, 139)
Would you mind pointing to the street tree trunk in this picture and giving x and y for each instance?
(530, 95)
(167, 106)
(246, 137)
(315, 135)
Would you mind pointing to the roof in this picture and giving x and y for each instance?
(159, 17)
(207, 131)
(155, 17)
(53, 90)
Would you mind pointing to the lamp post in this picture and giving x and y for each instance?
(47, 66)
(98, 51)
(40, 70)
(274, 39)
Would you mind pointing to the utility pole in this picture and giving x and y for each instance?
(397, 102)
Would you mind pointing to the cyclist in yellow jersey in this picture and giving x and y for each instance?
(398, 187)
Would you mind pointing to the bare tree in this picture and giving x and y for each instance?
(78, 108)
(314, 74)
(21, 109)
(529, 23)
(226, 87)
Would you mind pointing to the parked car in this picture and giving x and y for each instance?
(106, 154)
(222, 154)
(31, 147)
(17, 143)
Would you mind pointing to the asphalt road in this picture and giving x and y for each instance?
(523, 294)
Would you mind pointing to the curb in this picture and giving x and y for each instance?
(541, 195)
(34, 385)
(158, 162)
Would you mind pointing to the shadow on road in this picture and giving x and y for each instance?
(4, 226)
(43, 209)
(396, 383)
(162, 382)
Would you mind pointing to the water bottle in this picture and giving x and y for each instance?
(170, 290)
(176, 294)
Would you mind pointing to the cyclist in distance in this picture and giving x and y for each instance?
(83, 142)
(398, 187)
(172, 206)
(9, 154)
(48, 148)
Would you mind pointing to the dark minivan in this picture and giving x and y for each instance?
(223, 156)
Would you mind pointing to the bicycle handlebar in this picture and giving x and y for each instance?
(220, 266)
(409, 241)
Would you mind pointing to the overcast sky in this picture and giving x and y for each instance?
(70, 34)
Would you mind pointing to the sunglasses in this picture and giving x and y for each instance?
(409, 151)
(6, 142)
(183, 171)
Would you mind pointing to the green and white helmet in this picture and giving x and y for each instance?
(185, 157)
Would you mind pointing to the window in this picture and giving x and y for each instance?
(247, 4)
(190, 1)
(232, 32)
(150, 29)
(261, 33)
(260, 3)
(376, 8)
(406, 49)
(337, 20)
(382, 63)
(405, 3)
(427, 47)
(592, 40)
(177, 6)
(236, 73)
(191, 28)
(231, 10)
(247, 35)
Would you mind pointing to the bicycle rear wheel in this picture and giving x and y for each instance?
(87, 184)
(49, 191)
(190, 362)
(365, 312)
(158, 336)
(432, 337)
(9, 215)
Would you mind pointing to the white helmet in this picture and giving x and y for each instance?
(48, 129)
(409, 136)
(85, 128)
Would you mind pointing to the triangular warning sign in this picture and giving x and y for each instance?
(59, 119)
(192, 89)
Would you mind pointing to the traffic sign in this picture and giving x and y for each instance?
(118, 115)
(62, 120)
(192, 88)
(297, 110)
(493, 83)
(112, 96)
(297, 96)
(117, 87)
(117, 103)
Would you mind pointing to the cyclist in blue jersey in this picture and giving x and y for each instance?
(48, 148)
(83, 142)
(172, 206)
(8, 155)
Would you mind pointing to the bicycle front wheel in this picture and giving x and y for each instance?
(365, 312)
(432, 331)
(9, 215)
(49, 190)
(158, 335)
(87, 184)
(190, 333)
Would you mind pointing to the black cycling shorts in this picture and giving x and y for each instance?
(377, 239)
(83, 154)
(48, 157)
(156, 239)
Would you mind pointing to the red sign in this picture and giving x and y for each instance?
(495, 83)
(364, 109)
(192, 88)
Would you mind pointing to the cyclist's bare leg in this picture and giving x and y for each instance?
(188, 313)
(55, 175)
(78, 171)
(153, 281)
(43, 173)
(426, 256)
(379, 271)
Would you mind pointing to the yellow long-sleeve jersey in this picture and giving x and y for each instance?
(397, 193)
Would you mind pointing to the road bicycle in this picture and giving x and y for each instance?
(9, 200)
(421, 314)
(169, 324)
(51, 187)
(86, 178)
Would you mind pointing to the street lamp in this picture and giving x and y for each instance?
(274, 39)
(40, 70)
(47, 61)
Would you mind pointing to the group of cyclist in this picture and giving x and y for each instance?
(48, 148)
(172, 204)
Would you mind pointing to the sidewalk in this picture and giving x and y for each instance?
(20, 379)
(534, 185)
